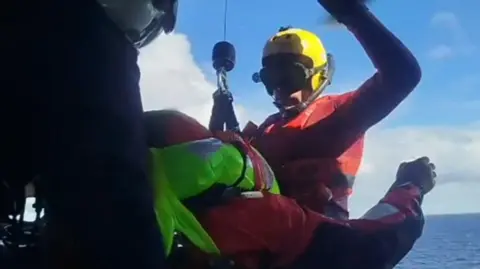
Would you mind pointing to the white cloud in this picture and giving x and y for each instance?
(441, 52)
(458, 43)
(445, 19)
(172, 79)
(454, 149)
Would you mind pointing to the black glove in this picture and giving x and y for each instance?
(342, 9)
(420, 172)
(222, 110)
(222, 98)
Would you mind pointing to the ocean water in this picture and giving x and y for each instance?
(448, 241)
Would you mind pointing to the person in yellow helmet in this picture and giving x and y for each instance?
(315, 143)
(218, 206)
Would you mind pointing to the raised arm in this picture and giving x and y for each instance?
(398, 73)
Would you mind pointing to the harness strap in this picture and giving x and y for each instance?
(219, 193)
(247, 151)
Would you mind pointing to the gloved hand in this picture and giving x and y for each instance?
(222, 97)
(420, 172)
(342, 9)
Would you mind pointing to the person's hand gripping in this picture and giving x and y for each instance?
(420, 172)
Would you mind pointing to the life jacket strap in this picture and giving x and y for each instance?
(247, 151)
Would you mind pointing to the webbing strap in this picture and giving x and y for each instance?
(247, 152)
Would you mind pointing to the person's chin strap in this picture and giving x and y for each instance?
(327, 75)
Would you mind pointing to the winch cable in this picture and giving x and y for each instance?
(225, 20)
(223, 58)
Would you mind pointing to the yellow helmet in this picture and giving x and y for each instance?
(301, 47)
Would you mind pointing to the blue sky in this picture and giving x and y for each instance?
(440, 119)
(448, 90)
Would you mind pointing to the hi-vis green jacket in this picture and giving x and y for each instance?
(189, 169)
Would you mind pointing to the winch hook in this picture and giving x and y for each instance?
(223, 60)
(223, 113)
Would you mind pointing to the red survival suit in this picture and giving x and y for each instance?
(318, 152)
(275, 232)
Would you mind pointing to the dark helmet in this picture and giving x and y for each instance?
(142, 20)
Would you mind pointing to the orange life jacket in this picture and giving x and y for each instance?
(312, 182)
